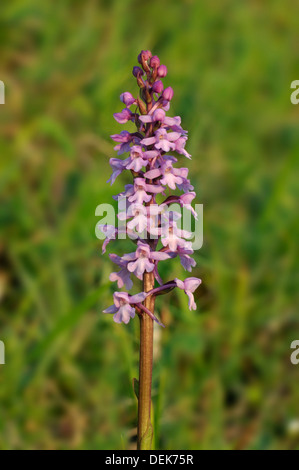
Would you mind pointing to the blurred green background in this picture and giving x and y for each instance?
(222, 376)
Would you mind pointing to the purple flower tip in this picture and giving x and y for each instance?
(122, 307)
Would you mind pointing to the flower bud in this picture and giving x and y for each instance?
(127, 98)
(139, 58)
(146, 55)
(157, 87)
(137, 71)
(162, 71)
(168, 93)
(155, 61)
(143, 57)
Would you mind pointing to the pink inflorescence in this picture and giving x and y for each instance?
(156, 232)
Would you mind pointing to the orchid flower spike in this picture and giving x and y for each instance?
(151, 154)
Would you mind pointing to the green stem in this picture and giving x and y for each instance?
(145, 428)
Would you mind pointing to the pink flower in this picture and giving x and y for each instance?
(179, 146)
(127, 99)
(139, 214)
(186, 261)
(174, 124)
(170, 176)
(142, 260)
(138, 158)
(185, 201)
(157, 115)
(162, 140)
(173, 237)
(123, 277)
(110, 231)
(189, 285)
(141, 189)
(124, 116)
(117, 167)
(122, 308)
(125, 138)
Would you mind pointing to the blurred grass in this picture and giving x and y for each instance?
(222, 377)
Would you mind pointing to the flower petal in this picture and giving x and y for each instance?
(111, 309)
(134, 299)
